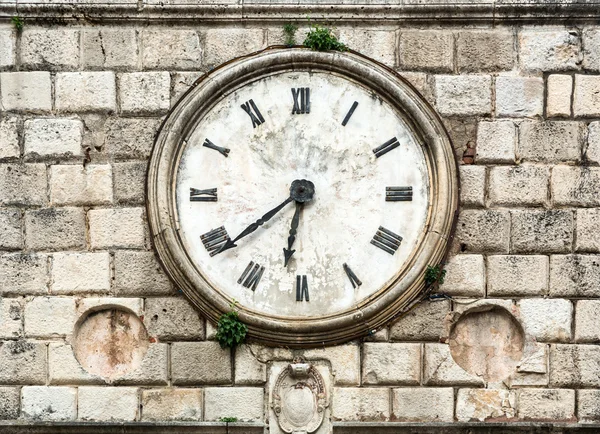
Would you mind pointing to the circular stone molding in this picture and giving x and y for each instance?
(370, 313)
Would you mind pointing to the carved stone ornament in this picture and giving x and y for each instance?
(300, 398)
(313, 189)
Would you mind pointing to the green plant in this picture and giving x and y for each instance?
(230, 330)
(434, 274)
(228, 419)
(289, 30)
(18, 22)
(321, 38)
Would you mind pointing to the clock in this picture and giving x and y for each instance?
(309, 189)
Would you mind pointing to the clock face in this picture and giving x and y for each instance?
(301, 194)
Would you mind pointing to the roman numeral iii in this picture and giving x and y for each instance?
(214, 240)
(250, 108)
(208, 195)
(398, 194)
(223, 151)
(386, 147)
(302, 93)
(386, 240)
(302, 288)
(251, 276)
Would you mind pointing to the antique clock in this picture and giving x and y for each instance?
(311, 189)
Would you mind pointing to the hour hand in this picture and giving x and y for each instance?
(287, 253)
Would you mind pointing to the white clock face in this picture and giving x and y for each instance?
(368, 210)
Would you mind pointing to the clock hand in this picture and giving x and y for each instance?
(287, 253)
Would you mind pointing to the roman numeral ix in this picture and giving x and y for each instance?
(304, 94)
(353, 279)
(386, 147)
(208, 195)
(214, 240)
(223, 151)
(349, 114)
(386, 240)
(398, 194)
(302, 288)
(251, 276)
(250, 108)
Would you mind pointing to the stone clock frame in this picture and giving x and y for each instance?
(372, 312)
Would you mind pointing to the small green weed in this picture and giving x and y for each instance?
(18, 22)
(289, 30)
(434, 274)
(228, 419)
(231, 332)
(321, 38)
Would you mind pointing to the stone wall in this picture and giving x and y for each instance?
(81, 102)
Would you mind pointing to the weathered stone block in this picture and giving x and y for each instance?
(85, 91)
(246, 403)
(49, 403)
(391, 363)
(591, 49)
(130, 138)
(485, 50)
(414, 404)
(53, 137)
(536, 231)
(31, 91)
(9, 137)
(463, 95)
(154, 369)
(482, 404)
(344, 359)
(124, 227)
(574, 366)
(546, 404)
(593, 149)
(22, 362)
(472, 185)
(144, 92)
(200, 363)
(425, 322)
(587, 313)
(517, 275)
(88, 304)
(576, 186)
(587, 236)
(548, 50)
(360, 404)
(588, 405)
(221, 45)
(548, 320)
(465, 276)
(11, 315)
(248, 369)
(181, 82)
(108, 403)
(109, 48)
(55, 229)
(23, 184)
(377, 44)
(586, 101)
(47, 317)
(9, 403)
(139, 273)
(560, 88)
(431, 50)
(496, 142)
(551, 141)
(170, 49)
(484, 230)
(575, 276)
(172, 405)
(50, 48)
(440, 369)
(77, 185)
(8, 43)
(80, 272)
(63, 367)
(129, 182)
(519, 185)
(23, 274)
(11, 234)
(519, 96)
(170, 318)
(421, 82)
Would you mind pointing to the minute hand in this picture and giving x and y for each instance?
(254, 226)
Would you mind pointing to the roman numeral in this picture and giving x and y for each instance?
(386, 240)
(250, 108)
(214, 240)
(251, 276)
(208, 195)
(304, 94)
(398, 194)
(349, 114)
(386, 147)
(302, 288)
(224, 151)
(353, 279)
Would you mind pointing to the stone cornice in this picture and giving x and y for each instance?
(412, 12)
